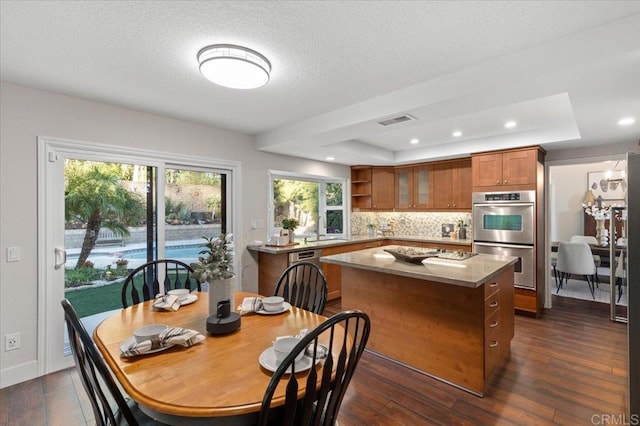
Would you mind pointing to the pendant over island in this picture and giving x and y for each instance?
(450, 319)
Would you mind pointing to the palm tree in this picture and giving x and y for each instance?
(95, 196)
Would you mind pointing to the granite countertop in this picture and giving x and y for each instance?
(331, 242)
(472, 272)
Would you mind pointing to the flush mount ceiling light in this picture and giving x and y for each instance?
(414, 141)
(510, 124)
(626, 121)
(234, 66)
(456, 134)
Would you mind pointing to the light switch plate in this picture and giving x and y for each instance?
(13, 254)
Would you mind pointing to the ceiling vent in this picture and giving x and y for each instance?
(396, 120)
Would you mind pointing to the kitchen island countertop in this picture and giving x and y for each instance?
(332, 242)
(472, 272)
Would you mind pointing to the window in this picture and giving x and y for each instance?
(311, 200)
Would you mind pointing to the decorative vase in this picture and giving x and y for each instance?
(292, 236)
(219, 291)
(599, 231)
(462, 233)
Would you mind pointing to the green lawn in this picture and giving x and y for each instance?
(90, 301)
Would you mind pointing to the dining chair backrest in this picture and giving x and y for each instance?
(303, 285)
(143, 283)
(95, 375)
(345, 335)
(587, 239)
(575, 258)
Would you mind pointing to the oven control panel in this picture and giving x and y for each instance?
(504, 197)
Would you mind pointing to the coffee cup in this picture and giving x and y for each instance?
(283, 346)
(273, 303)
(182, 293)
(149, 332)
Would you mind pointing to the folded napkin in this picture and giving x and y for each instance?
(166, 302)
(171, 337)
(250, 304)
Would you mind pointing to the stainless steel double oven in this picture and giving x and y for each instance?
(504, 223)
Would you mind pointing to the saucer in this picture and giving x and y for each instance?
(124, 346)
(189, 299)
(268, 361)
(285, 307)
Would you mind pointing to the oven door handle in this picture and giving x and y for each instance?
(504, 204)
(507, 245)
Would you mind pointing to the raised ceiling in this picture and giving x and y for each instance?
(565, 71)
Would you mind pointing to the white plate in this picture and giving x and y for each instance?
(124, 346)
(285, 307)
(189, 299)
(268, 361)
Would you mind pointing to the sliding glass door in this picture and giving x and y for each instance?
(104, 214)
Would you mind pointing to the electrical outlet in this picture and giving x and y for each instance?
(12, 342)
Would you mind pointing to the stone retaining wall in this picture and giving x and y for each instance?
(73, 237)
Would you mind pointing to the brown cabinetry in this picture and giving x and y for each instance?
(372, 188)
(360, 188)
(382, 188)
(413, 187)
(501, 170)
(333, 273)
(452, 185)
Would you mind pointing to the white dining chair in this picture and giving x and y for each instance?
(591, 240)
(576, 259)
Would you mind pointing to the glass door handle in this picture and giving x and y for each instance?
(60, 258)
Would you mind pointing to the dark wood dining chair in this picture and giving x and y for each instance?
(303, 285)
(97, 380)
(321, 402)
(143, 283)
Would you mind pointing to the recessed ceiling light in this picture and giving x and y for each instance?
(232, 66)
(414, 141)
(331, 158)
(510, 124)
(457, 134)
(626, 121)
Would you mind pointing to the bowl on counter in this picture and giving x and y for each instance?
(412, 254)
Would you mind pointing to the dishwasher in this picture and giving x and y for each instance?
(312, 256)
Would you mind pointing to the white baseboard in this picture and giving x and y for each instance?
(18, 374)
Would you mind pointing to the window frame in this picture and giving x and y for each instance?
(322, 202)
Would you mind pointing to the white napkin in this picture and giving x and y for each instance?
(166, 302)
(250, 304)
(170, 337)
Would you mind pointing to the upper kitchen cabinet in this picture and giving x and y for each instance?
(506, 170)
(361, 188)
(413, 187)
(451, 182)
(382, 188)
(372, 188)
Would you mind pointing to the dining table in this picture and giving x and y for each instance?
(218, 381)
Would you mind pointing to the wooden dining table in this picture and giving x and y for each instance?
(218, 381)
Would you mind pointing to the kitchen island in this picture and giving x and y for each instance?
(451, 319)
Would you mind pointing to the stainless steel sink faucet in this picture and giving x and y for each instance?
(319, 227)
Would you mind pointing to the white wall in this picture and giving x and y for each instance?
(567, 186)
(27, 113)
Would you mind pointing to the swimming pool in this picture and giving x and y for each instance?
(101, 258)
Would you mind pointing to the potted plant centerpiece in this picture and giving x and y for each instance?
(290, 224)
(215, 267)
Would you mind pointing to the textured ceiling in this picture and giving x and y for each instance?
(566, 71)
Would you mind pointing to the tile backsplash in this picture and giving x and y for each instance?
(408, 223)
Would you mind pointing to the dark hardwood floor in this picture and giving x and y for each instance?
(567, 367)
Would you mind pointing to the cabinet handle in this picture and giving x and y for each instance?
(494, 284)
(493, 304)
(505, 182)
(454, 205)
(498, 182)
(493, 344)
(494, 324)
